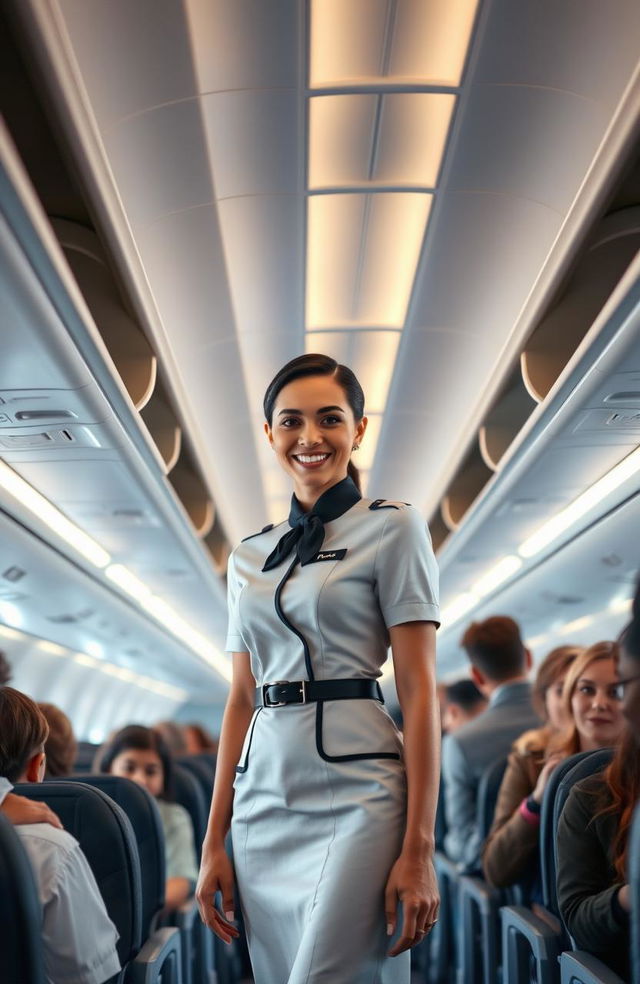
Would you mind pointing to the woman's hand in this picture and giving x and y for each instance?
(624, 898)
(543, 778)
(19, 809)
(216, 875)
(413, 881)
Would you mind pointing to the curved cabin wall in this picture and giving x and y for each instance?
(553, 343)
(132, 355)
(470, 479)
(504, 420)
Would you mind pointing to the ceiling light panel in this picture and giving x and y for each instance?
(395, 139)
(372, 353)
(372, 41)
(362, 253)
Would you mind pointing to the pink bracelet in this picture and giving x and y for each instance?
(531, 818)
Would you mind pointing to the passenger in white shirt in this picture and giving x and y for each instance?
(79, 939)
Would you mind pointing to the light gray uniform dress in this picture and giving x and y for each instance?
(320, 792)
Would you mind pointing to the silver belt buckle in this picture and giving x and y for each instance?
(282, 703)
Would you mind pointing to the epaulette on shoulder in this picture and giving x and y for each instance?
(265, 529)
(386, 504)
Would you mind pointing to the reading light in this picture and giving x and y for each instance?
(557, 525)
(47, 513)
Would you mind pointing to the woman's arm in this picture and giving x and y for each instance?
(216, 873)
(413, 878)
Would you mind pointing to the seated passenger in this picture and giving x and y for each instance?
(463, 702)
(140, 754)
(499, 665)
(593, 835)
(198, 739)
(173, 736)
(61, 746)
(593, 719)
(629, 667)
(79, 939)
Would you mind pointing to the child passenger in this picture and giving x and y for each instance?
(138, 753)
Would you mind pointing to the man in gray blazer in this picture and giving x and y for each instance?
(499, 667)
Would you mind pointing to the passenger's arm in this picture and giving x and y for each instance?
(512, 840)
(216, 873)
(460, 790)
(412, 878)
(19, 809)
(586, 895)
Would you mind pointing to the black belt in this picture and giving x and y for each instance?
(281, 692)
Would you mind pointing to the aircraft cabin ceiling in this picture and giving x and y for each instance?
(407, 185)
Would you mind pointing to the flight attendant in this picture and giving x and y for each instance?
(331, 812)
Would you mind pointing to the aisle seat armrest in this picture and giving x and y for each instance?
(159, 960)
(523, 933)
(580, 967)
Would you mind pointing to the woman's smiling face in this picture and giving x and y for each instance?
(312, 432)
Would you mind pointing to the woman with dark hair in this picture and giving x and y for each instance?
(331, 817)
(629, 667)
(510, 852)
(140, 754)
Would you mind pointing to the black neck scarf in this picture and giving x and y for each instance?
(307, 528)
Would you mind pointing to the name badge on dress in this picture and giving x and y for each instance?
(328, 555)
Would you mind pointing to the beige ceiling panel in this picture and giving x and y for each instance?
(334, 235)
(361, 41)
(394, 234)
(131, 56)
(371, 355)
(253, 141)
(240, 45)
(340, 140)
(413, 133)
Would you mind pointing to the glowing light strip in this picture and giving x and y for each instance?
(169, 618)
(48, 514)
(558, 524)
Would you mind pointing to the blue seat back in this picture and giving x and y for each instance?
(488, 790)
(548, 831)
(189, 794)
(202, 771)
(142, 812)
(85, 756)
(21, 957)
(107, 839)
(563, 777)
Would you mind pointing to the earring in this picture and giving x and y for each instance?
(356, 447)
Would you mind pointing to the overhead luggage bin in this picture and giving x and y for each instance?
(163, 425)
(505, 418)
(471, 478)
(615, 242)
(132, 355)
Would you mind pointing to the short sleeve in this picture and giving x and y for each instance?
(181, 859)
(406, 572)
(5, 787)
(235, 642)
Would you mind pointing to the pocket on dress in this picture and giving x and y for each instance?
(243, 762)
(349, 730)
